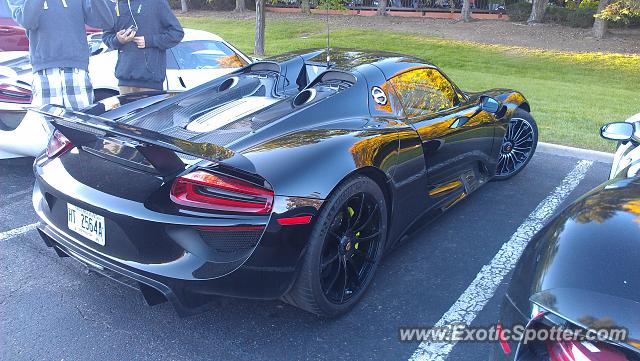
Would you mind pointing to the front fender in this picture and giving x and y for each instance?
(512, 99)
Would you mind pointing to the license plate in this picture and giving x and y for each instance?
(85, 223)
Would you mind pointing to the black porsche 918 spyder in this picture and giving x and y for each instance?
(285, 179)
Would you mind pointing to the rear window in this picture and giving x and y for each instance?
(206, 54)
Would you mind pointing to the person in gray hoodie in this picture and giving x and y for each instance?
(143, 31)
(58, 47)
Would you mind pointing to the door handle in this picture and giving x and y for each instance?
(182, 82)
(460, 121)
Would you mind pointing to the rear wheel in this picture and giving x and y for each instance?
(518, 145)
(344, 250)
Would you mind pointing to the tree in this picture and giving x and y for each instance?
(466, 10)
(258, 47)
(240, 6)
(621, 10)
(537, 11)
(305, 7)
(600, 25)
(382, 8)
(184, 5)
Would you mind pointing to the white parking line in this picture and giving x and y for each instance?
(7, 235)
(480, 291)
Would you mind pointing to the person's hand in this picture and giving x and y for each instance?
(125, 36)
(139, 40)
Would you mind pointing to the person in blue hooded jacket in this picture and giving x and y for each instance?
(143, 31)
(58, 47)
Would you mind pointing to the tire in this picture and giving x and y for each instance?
(357, 258)
(102, 94)
(514, 157)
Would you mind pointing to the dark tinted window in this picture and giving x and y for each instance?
(424, 91)
(206, 54)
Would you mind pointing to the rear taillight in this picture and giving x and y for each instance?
(562, 340)
(58, 144)
(15, 94)
(206, 190)
(583, 351)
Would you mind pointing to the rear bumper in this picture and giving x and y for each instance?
(153, 290)
(188, 280)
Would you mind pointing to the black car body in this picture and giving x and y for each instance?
(289, 136)
(581, 272)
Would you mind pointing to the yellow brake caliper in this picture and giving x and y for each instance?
(351, 213)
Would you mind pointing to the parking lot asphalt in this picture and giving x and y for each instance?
(51, 309)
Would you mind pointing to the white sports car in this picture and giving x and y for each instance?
(628, 152)
(199, 58)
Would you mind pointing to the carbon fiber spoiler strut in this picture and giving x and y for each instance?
(159, 149)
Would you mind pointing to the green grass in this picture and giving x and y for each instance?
(571, 94)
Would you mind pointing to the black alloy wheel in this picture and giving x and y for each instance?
(344, 251)
(351, 248)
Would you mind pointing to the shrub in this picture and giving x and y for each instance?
(519, 11)
(581, 17)
(557, 14)
(589, 4)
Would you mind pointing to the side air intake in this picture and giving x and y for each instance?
(304, 97)
(228, 84)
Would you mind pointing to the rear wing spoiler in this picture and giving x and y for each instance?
(83, 129)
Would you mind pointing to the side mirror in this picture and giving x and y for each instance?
(490, 105)
(619, 131)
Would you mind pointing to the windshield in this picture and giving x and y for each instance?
(206, 54)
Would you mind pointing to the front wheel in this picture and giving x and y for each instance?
(518, 145)
(344, 250)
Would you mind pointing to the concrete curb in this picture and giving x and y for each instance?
(564, 151)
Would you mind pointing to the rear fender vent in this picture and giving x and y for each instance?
(304, 97)
(230, 246)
